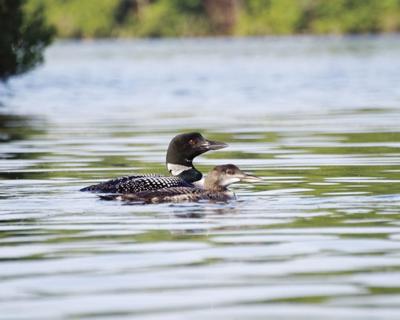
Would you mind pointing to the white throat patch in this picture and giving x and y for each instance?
(229, 181)
(176, 169)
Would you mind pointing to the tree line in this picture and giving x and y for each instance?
(177, 18)
(28, 26)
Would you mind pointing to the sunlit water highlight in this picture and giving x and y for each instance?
(318, 118)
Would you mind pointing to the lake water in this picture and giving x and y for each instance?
(319, 238)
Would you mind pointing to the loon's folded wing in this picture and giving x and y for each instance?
(147, 184)
(111, 185)
(134, 185)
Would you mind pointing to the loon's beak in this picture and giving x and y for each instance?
(213, 145)
(248, 178)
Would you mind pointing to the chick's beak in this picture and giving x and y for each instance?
(249, 178)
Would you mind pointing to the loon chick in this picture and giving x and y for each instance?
(215, 188)
(182, 149)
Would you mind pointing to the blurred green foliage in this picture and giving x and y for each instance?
(23, 37)
(25, 30)
(259, 17)
(168, 18)
(76, 18)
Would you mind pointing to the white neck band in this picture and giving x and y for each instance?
(176, 169)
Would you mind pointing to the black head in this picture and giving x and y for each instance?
(222, 176)
(185, 147)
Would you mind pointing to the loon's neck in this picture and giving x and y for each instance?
(186, 172)
(211, 186)
(214, 183)
(176, 169)
(191, 175)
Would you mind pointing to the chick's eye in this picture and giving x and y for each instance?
(229, 172)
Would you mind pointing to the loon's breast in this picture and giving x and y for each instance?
(199, 184)
(138, 183)
(172, 194)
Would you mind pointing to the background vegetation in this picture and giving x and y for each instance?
(23, 36)
(170, 18)
(25, 30)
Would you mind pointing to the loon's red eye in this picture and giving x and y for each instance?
(192, 142)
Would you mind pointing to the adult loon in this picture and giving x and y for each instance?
(215, 188)
(182, 149)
